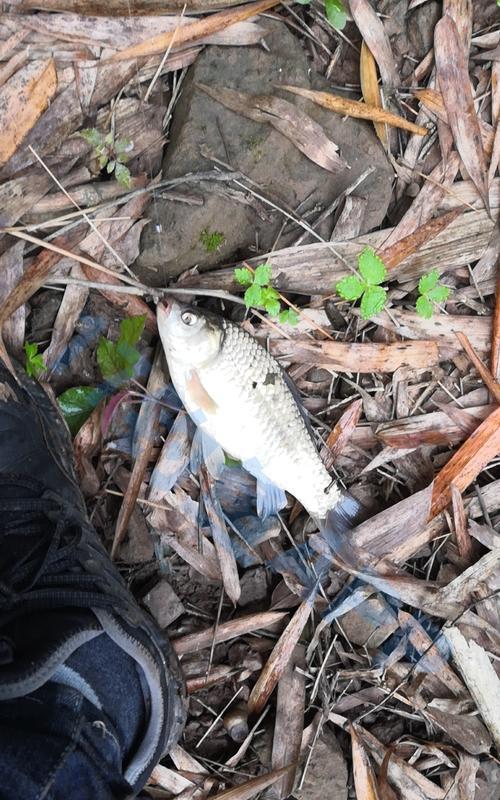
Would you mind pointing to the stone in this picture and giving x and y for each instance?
(253, 586)
(163, 604)
(326, 774)
(173, 241)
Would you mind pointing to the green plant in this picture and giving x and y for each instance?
(367, 287)
(116, 361)
(212, 240)
(430, 291)
(34, 360)
(260, 294)
(335, 11)
(110, 153)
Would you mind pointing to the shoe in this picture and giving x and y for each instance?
(58, 586)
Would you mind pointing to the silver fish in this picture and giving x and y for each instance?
(238, 396)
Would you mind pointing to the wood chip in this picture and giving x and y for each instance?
(192, 642)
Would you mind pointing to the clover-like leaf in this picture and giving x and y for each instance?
(350, 287)
(439, 294)
(288, 317)
(424, 307)
(373, 301)
(371, 267)
(262, 274)
(35, 364)
(92, 136)
(270, 299)
(428, 281)
(131, 329)
(122, 175)
(243, 276)
(253, 296)
(336, 13)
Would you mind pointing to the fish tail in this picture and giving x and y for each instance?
(346, 515)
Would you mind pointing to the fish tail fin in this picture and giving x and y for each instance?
(346, 515)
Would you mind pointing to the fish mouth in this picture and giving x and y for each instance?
(165, 307)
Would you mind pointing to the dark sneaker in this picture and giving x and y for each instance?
(59, 590)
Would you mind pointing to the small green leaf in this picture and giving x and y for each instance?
(110, 167)
(108, 139)
(231, 462)
(371, 267)
(34, 360)
(253, 296)
(92, 136)
(122, 175)
(350, 287)
(131, 329)
(424, 307)
(102, 160)
(109, 360)
(428, 281)
(270, 299)
(373, 301)
(289, 317)
(336, 13)
(439, 294)
(77, 405)
(123, 145)
(263, 274)
(243, 276)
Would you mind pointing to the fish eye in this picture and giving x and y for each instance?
(189, 317)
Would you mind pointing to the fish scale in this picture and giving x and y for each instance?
(238, 395)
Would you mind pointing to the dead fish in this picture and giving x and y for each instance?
(241, 400)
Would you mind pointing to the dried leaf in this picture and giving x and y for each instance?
(339, 437)
(393, 255)
(194, 31)
(468, 461)
(23, 99)
(480, 677)
(225, 631)
(289, 724)
(255, 785)
(370, 89)
(220, 537)
(355, 108)
(365, 782)
(280, 656)
(368, 357)
(145, 432)
(373, 33)
(453, 77)
(306, 134)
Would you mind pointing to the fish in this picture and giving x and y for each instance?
(243, 404)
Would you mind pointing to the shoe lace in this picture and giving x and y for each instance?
(40, 559)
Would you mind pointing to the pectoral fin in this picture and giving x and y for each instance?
(199, 398)
(270, 499)
(205, 450)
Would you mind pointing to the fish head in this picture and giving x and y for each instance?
(188, 334)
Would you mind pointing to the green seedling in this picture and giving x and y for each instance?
(116, 361)
(372, 272)
(110, 153)
(259, 294)
(335, 12)
(34, 360)
(430, 291)
(212, 240)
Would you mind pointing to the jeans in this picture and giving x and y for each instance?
(70, 738)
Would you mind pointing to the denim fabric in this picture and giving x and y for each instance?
(54, 744)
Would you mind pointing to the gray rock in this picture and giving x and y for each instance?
(326, 775)
(171, 243)
(253, 586)
(163, 604)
